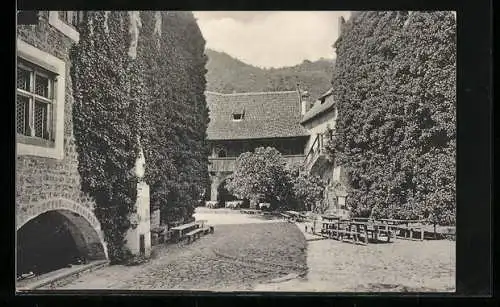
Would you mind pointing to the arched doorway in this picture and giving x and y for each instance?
(54, 234)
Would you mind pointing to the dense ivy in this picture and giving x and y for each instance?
(394, 83)
(175, 141)
(104, 125)
(308, 190)
(155, 102)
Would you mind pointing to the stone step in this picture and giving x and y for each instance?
(60, 277)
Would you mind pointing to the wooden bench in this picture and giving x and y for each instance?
(180, 232)
(194, 234)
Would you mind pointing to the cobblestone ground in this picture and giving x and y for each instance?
(413, 266)
(333, 266)
(197, 267)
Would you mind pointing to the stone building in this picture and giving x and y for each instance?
(320, 121)
(241, 122)
(55, 221)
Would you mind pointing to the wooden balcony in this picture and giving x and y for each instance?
(227, 164)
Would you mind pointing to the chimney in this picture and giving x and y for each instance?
(304, 102)
(341, 24)
(303, 97)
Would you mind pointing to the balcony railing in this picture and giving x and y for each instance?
(227, 164)
(317, 149)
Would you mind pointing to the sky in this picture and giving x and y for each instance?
(271, 38)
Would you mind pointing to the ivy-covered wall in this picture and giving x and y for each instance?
(394, 83)
(172, 50)
(43, 179)
(139, 83)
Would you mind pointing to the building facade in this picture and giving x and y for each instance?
(320, 120)
(287, 121)
(54, 218)
(242, 122)
(47, 179)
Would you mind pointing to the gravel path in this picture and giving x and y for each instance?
(399, 266)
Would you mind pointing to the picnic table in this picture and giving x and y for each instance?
(406, 229)
(356, 231)
(179, 232)
(191, 231)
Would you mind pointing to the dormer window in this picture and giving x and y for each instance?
(237, 116)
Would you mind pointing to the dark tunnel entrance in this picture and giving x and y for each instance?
(45, 244)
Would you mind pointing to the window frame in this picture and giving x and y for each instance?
(241, 115)
(33, 97)
(63, 26)
(43, 63)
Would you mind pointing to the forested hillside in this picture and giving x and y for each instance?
(227, 74)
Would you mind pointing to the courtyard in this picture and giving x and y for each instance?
(257, 254)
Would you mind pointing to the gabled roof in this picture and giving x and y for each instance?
(324, 104)
(266, 115)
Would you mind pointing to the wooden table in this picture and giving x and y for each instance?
(181, 230)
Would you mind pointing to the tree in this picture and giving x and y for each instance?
(176, 151)
(307, 189)
(261, 176)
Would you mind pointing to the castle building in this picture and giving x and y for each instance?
(287, 121)
(320, 120)
(55, 220)
(241, 122)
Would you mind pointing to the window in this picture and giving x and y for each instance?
(34, 101)
(237, 116)
(72, 18)
(39, 104)
(66, 22)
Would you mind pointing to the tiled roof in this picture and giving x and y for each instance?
(322, 105)
(266, 115)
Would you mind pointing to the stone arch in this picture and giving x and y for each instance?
(83, 224)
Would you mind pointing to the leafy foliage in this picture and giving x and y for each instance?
(227, 74)
(175, 141)
(104, 124)
(307, 189)
(155, 101)
(261, 176)
(395, 86)
(265, 176)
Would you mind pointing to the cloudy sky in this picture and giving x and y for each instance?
(271, 38)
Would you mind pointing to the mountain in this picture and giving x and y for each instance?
(227, 75)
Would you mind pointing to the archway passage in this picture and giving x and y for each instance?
(54, 240)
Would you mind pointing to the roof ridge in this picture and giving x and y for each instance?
(250, 93)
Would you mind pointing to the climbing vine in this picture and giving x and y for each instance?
(105, 123)
(139, 82)
(172, 49)
(394, 83)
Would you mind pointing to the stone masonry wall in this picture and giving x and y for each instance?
(38, 178)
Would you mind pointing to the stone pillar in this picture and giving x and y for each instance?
(214, 185)
(155, 218)
(139, 235)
